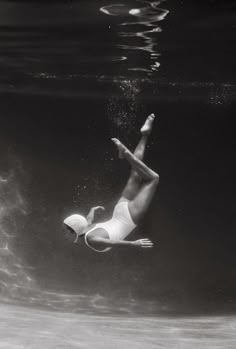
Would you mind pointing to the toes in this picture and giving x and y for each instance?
(116, 141)
(152, 116)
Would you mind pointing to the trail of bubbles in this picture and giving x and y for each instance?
(123, 106)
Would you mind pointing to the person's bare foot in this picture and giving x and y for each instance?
(121, 148)
(147, 127)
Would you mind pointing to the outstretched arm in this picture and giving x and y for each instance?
(144, 243)
(90, 216)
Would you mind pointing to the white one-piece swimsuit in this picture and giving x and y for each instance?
(118, 227)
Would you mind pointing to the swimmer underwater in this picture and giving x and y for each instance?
(129, 210)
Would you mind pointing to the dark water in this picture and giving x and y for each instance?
(73, 75)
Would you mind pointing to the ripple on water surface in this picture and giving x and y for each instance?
(139, 28)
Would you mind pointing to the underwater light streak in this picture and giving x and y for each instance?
(12, 269)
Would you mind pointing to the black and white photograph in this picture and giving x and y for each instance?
(117, 174)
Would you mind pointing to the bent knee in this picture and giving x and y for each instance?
(136, 177)
(156, 177)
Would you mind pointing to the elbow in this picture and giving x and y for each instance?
(112, 242)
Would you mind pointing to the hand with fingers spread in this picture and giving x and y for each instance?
(144, 243)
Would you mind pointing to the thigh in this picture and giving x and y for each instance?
(122, 199)
(132, 187)
(140, 204)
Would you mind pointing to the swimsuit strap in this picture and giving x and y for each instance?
(85, 238)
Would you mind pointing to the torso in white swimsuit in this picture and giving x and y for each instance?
(117, 228)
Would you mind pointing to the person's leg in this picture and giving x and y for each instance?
(135, 180)
(143, 170)
(140, 203)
